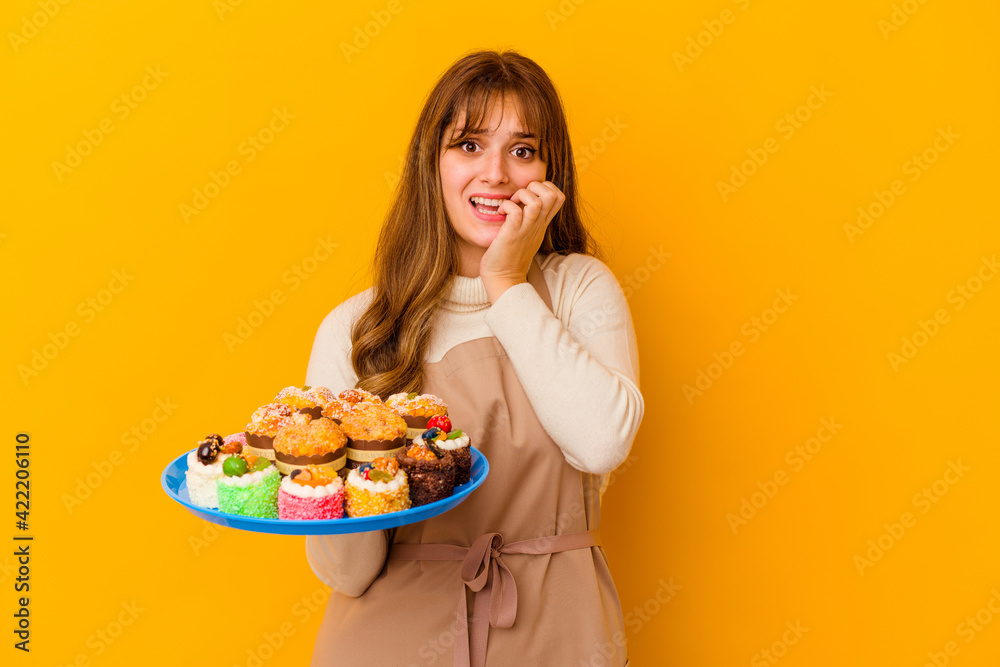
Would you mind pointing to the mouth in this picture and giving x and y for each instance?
(487, 208)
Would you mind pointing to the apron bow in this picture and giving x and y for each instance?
(485, 573)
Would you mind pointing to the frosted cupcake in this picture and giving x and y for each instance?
(318, 442)
(373, 430)
(416, 410)
(375, 488)
(264, 425)
(204, 468)
(311, 493)
(249, 487)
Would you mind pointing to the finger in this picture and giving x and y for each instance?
(514, 214)
(529, 198)
(548, 203)
(517, 197)
(539, 189)
(554, 199)
(560, 195)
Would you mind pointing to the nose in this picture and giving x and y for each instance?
(494, 167)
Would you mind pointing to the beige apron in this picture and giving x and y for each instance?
(545, 594)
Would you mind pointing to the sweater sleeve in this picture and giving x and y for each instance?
(580, 370)
(346, 563)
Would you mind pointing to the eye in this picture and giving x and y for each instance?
(531, 152)
(467, 143)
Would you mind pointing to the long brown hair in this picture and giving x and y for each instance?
(417, 252)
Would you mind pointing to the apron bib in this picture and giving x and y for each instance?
(515, 574)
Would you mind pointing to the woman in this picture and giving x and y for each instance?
(499, 308)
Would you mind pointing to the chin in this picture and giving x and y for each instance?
(485, 238)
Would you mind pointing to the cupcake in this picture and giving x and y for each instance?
(249, 487)
(374, 488)
(310, 400)
(311, 493)
(264, 425)
(456, 442)
(234, 443)
(299, 399)
(321, 395)
(355, 396)
(373, 430)
(204, 468)
(431, 473)
(336, 409)
(416, 410)
(338, 406)
(317, 442)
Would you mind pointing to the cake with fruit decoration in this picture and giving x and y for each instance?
(457, 442)
(311, 493)
(317, 442)
(204, 467)
(373, 430)
(416, 410)
(429, 469)
(249, 487)
(375, 488)
(234, 443)
(264, 425)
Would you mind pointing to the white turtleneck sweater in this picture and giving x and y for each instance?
(574, 362)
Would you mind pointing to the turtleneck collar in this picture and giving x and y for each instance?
(467, 295)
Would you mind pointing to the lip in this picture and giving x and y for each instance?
(490, 195)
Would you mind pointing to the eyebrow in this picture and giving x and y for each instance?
(515, 135)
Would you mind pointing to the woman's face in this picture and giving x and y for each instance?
(493, 164)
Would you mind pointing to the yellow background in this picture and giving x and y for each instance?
(651, 186)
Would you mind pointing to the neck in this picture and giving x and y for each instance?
(469, 259)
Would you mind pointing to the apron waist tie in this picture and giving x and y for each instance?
(482, 566)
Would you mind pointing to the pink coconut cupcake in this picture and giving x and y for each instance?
(311, 493)
(234, 443)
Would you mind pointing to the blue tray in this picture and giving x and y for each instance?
(175, 484)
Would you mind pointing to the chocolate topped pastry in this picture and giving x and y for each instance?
(431, 473)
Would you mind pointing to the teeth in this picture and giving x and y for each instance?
(485, 212)
(487, 202)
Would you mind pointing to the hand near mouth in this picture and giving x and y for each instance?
(505, 263)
